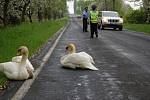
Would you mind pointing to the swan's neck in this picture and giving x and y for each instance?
(72, 51)
(24, 58)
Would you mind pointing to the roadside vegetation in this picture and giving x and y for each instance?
(137, 20)
(30, 23)
(138, 27)
(32, 35)
(17, 11)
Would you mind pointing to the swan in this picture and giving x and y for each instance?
(17, 70)
(77, 60)
(18, 60)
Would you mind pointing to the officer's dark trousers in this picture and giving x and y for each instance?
(93, 27)
(85, 24)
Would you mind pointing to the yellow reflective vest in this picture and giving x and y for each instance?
(94, 16)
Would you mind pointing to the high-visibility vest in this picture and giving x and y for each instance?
(94, 16)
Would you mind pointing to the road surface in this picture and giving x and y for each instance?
(123, 60)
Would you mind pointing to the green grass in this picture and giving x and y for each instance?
(138, 27)
(33, 35)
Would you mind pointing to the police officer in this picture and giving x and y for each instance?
(94, 21)
(85, 19)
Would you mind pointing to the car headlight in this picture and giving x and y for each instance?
(104, 20)
(121, 20)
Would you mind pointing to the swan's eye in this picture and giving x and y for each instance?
(66, 48)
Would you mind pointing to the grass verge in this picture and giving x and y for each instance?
(138, 27)
(33, 35)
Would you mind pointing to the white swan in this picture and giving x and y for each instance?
(75, 60)
(17, 70)
(18, 60)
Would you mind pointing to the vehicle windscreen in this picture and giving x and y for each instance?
(109, 14)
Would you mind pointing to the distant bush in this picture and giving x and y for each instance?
(136, 16)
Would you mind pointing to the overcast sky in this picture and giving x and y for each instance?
(70, 5)
(134, 5)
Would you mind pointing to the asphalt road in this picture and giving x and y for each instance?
(123, 59)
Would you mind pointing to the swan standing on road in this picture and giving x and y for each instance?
(17, 70)
(77, 60)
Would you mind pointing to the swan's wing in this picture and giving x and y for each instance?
(87, 56)
(29, 65)
(62, 59)
(90, 66)
(17, 59)
(85, 60)
(76, 58)
(71, 58)
(81, 59)
(10, 67)
(67, 62)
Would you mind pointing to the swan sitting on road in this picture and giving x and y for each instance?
(18, 60)
(77, 60)
(17, 70)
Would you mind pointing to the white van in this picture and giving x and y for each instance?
(110, 19)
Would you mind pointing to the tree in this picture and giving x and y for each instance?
(16, 11)
(4, 9)
(146, 5)
(24, 8)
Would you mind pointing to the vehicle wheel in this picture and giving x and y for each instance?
(102, 27)
(115, 28)
(120, 28)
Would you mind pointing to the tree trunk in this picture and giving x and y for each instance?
(24, 11)
(30, 16)
(5, 16)
(39, 15)
(23, 15)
